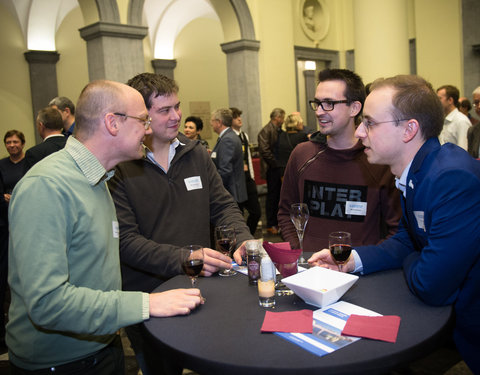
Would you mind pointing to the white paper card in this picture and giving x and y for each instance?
(356, 208)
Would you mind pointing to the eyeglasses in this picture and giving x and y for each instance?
(476, 103)
(146, 121)
(327, 105)
(369, 123)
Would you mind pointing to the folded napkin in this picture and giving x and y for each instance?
(383, 328)
(281, 252)
(289, 321)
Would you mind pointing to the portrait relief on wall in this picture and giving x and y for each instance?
(314, 18)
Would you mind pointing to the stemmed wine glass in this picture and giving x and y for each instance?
(340, 244)
(225, 240)
(192, 262)
(299, 215)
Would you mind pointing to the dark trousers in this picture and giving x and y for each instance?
(108, 361)
(252, 205)
(274, 185)
(152, 357)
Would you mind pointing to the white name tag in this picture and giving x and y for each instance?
(193, 183)
(356, 208)
(214, 154)
(419, 215)
(115, 229)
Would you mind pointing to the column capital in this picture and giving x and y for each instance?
(240, 45)
(33, 56)
(100, 29)
(164, 63)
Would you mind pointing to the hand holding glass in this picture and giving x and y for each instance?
(299, 215)
(192, 262)
(340, 244)
(225, 240)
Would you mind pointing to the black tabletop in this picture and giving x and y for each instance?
(223, 335)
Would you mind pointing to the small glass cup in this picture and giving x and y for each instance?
(266, 283)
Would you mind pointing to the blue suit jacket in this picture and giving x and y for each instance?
(438, 239)
(228, 158)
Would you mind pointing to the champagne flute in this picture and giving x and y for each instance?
(192, 262)
(340, 244)
(299, 215)
(225, 241)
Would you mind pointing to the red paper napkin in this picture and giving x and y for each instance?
(383, 328)
(288, 321)
(281, 252)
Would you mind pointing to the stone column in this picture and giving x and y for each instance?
(164, 66)
(115, 51)
(310, 88)
(43, 81)
(385, 53)
(244, 82)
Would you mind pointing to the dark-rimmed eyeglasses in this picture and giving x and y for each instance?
(327, 105)
(476, 104)
(369, 123)
(146, 121)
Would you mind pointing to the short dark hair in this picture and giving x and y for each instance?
(235, 112)
(151, 85)
(62, 102)
(451, 92)
(196, 120)
(50, 118)
(414, 98)
(465, 103)
(13, 132)
(355, 91)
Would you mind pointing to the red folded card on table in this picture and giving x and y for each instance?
(288, 321)
(383, 328)
(281, 252)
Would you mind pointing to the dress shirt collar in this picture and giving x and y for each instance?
(171, 153)
(87, 162)
(401, 183)
(223, 132)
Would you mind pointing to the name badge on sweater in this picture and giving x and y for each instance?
(115, 229)
(336, 201)
(213, 155)
(193, 183)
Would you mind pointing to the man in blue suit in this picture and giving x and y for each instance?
(227, 154)
(437, 243)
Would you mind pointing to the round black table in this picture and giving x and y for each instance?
(223, 335)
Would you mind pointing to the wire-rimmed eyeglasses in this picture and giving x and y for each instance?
(146, 121)
(369, 123)
(327, 105)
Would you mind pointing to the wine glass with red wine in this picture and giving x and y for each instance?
(340, 244)
(225, 240)
(192, 262)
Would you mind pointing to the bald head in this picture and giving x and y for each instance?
(96, 100)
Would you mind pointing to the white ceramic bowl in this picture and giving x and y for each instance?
(320, 286)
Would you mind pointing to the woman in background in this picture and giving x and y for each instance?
(193, 127)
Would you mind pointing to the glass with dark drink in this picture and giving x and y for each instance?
(340, 244)
(225, 241)
(192, 262)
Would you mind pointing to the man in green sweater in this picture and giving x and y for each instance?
(64, 269)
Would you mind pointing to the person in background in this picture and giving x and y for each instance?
(192, 128)
(289, 139)
(12, 168)
(228, 156)
(465, 107)
(437, 240)
(252, 205)
(64, 268)
(331, 174)
(49, 126)
(473, 135)
(269, 168)
(67, 109)
(166, 200)
(456, 124)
